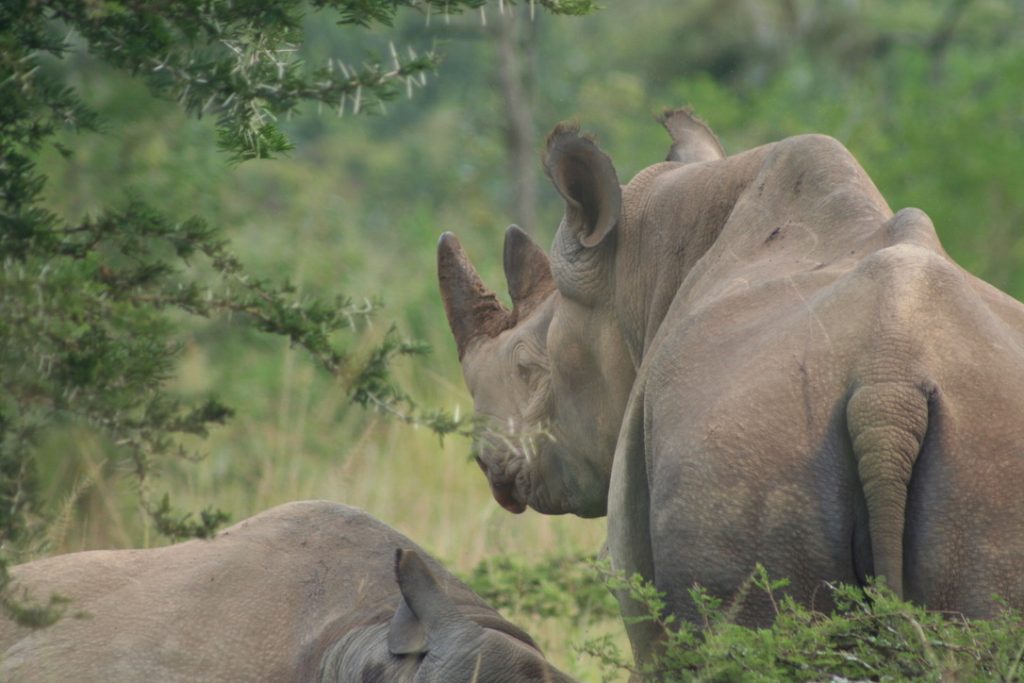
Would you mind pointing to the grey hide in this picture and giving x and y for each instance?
(305, 592)
(746, 359)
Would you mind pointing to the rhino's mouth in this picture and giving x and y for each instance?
(509, 486)
(507, 496)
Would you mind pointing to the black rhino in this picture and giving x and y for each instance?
(305, 592)
(750, 359)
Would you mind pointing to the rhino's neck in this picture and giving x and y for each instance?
(672, 215)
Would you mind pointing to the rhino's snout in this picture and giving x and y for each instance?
(504, 487)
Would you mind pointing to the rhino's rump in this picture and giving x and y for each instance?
(748, 382)
(750, 462)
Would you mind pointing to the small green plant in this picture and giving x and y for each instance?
(870, 635)
(175, 525)
(562, 586)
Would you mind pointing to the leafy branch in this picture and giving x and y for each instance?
(87, 308)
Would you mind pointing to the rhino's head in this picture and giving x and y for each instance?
(450, 647)
(551, 376)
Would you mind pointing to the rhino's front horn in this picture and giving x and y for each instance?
(472, 309)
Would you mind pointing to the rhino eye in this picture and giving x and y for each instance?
(524, 372)
(529, 373)
(528, 363)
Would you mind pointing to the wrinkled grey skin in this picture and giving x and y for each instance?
(751, 359)
(305, 592)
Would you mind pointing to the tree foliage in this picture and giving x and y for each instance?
(89, 306)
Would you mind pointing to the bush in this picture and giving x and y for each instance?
(564, 587)
(871, 635)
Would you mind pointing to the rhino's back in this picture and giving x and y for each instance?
(247, 605)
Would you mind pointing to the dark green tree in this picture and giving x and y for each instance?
(88, 307)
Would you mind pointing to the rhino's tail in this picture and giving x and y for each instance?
(887, 423)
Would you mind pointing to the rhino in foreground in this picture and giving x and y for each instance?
(751, 359)
(305, 592)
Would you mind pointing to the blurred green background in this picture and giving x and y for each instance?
(927, 94)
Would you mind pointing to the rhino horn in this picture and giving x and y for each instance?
(425, 612)
(586, 179)
(527, 271)
(692, 139)
(473, 310)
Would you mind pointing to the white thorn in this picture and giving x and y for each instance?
(394, 55)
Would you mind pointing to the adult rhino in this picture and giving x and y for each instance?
(306, 592)
(750, 359)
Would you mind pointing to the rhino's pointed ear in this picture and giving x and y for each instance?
(692, 139)
(425, 613)
(586, 179)
(527, 271)
(473, 310)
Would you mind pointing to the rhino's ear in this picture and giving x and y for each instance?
(406, 633)
(472, 309)
(527, 271)
(692, 139)
(586, 179)
(425, 612)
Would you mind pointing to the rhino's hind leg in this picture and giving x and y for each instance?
(629, 532)
(887, 422)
